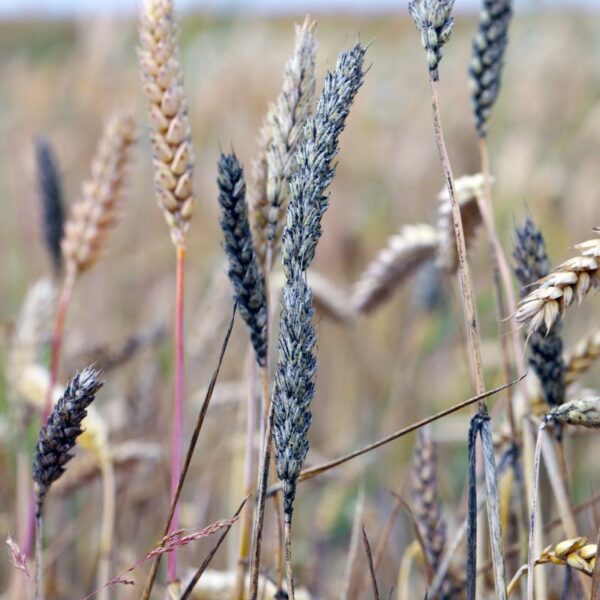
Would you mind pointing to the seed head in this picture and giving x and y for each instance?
(244, 271)
(59, 435)
(434, 20)
(485, 71)
(584, 412)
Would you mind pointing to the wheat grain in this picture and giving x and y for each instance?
(469, 191)
(583, 412)
(162, 79)
(404, 253)
(485, 70)
(96, 213)
(577, 553)
(571, 280)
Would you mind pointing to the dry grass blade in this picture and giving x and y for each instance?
(582, 357)
(96, 213)
(346, 587)
(469, 192)
(571, 280)
(403, 254)
(279, 138)
(162, 79)
(370, 563)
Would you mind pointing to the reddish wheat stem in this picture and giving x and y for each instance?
(178, 401)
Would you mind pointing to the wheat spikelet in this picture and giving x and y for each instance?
(32, 332)
(582, 356)
(279, 138)
(469, 192)
(583, 412)
(576, 553)
(258, 206)
(167, 109)
(404, 253)
(95, 214)
(570, 281)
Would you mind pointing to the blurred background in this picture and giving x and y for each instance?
(64, 65)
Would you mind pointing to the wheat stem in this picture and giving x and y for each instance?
(39, 536)
(288, 557)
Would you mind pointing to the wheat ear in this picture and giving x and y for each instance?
(280, 136)
(50, 193)
(571, 280)
(170, 130)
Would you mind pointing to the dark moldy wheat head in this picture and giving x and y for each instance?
(59, 435)
(51, 200)
(485, 71)
(294, 385)
(433, 19)
(314, 170)
(244, 272)
(546, 347)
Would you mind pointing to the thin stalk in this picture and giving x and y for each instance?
(287, 529)
(246, 521)
(595, 595)
(64, 301)
(39, 567)
(108, 521)
(263, 478)
(336, 462)
(463, 266)
(177, 442)
(190, 453)
(370, 563)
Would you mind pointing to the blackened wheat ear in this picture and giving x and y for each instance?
(59, 435)
(546, 345)
(244, 271)
(51, 200)
(485, 71)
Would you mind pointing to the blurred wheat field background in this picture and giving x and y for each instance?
(376, 374)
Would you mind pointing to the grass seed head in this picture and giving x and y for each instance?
(583, 412)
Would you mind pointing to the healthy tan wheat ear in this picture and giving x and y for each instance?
(556, 292)
(279, 138)
(404, 253)
(581, 358)
(170, 129)
(469, 191)
(96, 213)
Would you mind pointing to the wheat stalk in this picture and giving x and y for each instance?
(279, 138)
(162, 80)
(571, 280)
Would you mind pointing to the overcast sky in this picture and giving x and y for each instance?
(15, 8)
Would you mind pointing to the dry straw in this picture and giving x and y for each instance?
(50, 193)
(96, 213)
(170, 128)
(570, 281)
(279, 138)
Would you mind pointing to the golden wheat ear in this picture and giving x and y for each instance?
(96, 213)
